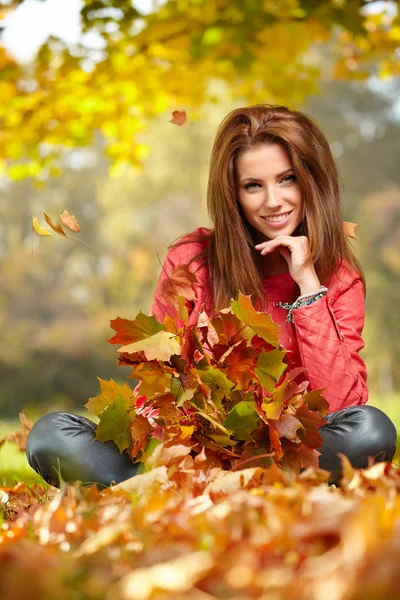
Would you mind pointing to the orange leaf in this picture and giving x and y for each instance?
(69, 221)
(140, 429)
(56, 226)
(19, 436)
(179, 283)
(349, 229)
(179, 117)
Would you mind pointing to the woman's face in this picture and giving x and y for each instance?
(268, 190)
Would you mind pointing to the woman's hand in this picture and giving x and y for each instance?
(296, 252)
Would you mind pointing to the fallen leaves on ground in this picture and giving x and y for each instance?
(180, 532)
(19, 436)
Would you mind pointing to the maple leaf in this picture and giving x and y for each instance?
(243, 418)
(299, 457)
(114, 423)
(260, 323)
(140, 430)
(38, 229)
(140, 328)
(110, 392)
(228, 326)
(69, 221)
(349, 229)
(153, 379)
(179, 283)
(311, 421)
(160, 346)
(238, 363)
(270, 368)
(179, 117)
(216, 380)
(287, 426)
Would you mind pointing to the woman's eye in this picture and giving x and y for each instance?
(253, 185)
(289, 177)
(250, 185)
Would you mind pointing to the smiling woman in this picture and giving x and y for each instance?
(270, 198)
(278, 236)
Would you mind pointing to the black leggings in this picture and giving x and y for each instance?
(65, 441)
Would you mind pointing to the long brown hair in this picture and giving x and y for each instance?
(233, 262)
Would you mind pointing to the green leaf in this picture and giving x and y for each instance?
(114, 423)
(242, 419)
(160, 346)
(270, 368)
(181, 394)
(140, 328)
(261, 323)
(215, 380)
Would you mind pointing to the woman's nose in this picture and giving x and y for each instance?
(272, 198)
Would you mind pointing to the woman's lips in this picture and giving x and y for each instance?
(277, 224)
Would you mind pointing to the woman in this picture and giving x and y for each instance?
(273, 196)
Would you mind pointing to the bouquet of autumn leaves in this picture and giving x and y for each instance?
(219, 389)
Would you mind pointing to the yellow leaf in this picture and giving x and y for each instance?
(186, 431)
(56, 226)
(38, 229)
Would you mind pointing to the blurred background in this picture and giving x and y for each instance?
(87, 92)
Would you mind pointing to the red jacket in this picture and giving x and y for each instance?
(325, 337)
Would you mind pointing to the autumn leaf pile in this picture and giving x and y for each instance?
(216, 390)
(228, 501)
(203, 533)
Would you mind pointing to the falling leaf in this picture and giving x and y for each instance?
(179, 117)
(349, 229)
(55, 226)
(38, 229)
(69, 221)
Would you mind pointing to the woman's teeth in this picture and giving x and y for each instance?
(277, 219)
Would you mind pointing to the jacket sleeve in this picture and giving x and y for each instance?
(329, 337)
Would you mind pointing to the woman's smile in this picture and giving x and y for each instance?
(277, 221)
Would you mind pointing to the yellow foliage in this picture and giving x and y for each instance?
(168, 62)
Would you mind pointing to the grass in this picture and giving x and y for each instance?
(14, 466)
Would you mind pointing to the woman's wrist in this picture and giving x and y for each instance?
(309, 285)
